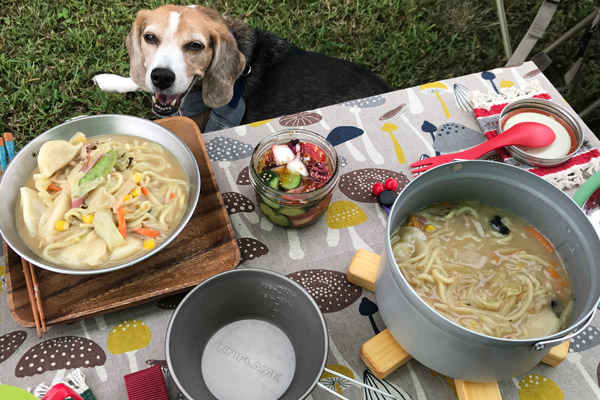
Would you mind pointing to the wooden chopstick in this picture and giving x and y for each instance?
(31, 293)
(7, 144)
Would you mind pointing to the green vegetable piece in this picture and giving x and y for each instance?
(271, 204)
(292, 212)
(268, 211)
(290, 181)
(123, 160)
(279, 219)
(101, 169)
(271, 178)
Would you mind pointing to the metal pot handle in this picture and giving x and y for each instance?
(554, 342)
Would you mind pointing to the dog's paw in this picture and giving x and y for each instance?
(115, 83)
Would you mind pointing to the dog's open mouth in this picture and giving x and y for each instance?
(166, 104)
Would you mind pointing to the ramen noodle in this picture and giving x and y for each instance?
(98, 202)
(484, 269)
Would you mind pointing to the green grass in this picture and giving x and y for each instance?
(49, 53)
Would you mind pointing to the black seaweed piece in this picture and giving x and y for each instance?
(557, 306)
(498, 225)
(129, 163)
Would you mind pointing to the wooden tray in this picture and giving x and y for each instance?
(205, 247)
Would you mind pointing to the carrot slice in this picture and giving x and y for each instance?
(54, 187)
(147, 232)
(145, 191)
(121, 221)
(171, 196)
(557, 276)
(540, 238)
(415, 222)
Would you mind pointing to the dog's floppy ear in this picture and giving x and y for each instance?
(225, 67)
(137, 70)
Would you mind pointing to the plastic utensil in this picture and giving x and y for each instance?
(531, 134)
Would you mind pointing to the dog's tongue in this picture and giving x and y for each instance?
(165, 98)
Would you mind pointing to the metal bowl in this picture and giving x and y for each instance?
(25, 161)
(563, 115)
(247, 334)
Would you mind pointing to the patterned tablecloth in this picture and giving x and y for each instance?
(386, 134)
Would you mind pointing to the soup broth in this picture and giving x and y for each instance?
(484, 269)
(97, 202)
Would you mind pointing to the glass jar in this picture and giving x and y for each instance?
(301, 207)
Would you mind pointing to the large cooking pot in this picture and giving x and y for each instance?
(448, 348)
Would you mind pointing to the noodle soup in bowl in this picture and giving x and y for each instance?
(97, 194)
(468, 347)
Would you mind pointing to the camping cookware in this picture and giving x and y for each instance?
(448, 348)
(248, 334)
(25, 161)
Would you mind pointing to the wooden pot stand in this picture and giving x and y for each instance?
(383, 355)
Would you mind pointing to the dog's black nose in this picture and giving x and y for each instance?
(162, 77)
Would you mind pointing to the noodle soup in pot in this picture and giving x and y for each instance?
(97, 202)
(485, 269)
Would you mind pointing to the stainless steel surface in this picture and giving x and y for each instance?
(25, 161)
(271, 311)
(557, 110)
(446, 347)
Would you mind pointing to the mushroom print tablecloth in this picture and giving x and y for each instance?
(376, 138)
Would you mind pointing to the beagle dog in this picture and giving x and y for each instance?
(177, 52)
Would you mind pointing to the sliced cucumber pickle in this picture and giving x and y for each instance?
(279, 219)
(269, 177)
(268, 211)
(292, 212)
(271, 204)
(290, 181)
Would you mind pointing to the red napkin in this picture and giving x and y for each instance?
(572, 173)
(146, 384)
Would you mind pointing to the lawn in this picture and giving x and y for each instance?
(49, 53)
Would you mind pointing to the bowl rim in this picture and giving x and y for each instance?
(192, 201)
(223, 275)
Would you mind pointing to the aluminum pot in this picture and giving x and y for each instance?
(448, 348)
(24, 162)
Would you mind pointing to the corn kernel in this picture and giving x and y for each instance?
(429, 228)
(148, 244)
(88, 219)
(136, 192)
(127, 197)
(138, 177)
(79, 139)
(61, 225)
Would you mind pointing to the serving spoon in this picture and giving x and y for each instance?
(531, 134)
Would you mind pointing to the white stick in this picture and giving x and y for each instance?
(323, 123)
(252, 217)
(296, 252)
(416, 382)
(333, 237)
(100, 322)
(240, 130)
(371, 150)
(357, 242)
(419, 135)
(414, 104)
(132, 361)
(354, 151)
(240, 227)
(100, 370)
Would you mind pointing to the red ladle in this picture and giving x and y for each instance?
(531, 134)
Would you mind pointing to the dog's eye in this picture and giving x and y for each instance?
(194, 46)
(150, 38)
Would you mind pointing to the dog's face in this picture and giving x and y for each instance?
(173, 48)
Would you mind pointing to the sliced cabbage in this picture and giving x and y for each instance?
(99, 198)
(56, 211)
(104, 226)
(84, 254)
(33, 208)
(132, 246)
(54, 155)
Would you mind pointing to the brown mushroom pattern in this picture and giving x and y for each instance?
(251, 249)
(237, 202)
(330, 289)
(64, 352)
(358, 184)
(243, 178)
(10, 342)
(300, 119)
